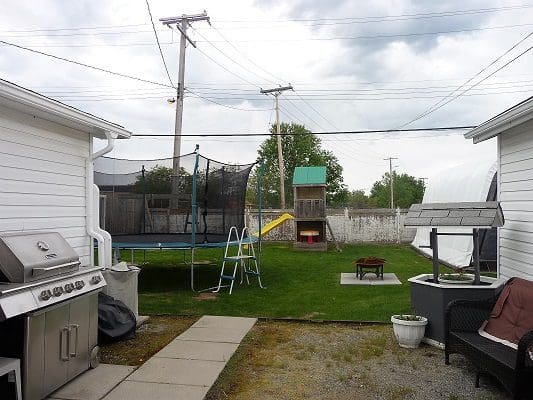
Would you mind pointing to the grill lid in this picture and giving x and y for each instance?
(26, 257)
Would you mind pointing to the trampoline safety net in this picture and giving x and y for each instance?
(151, 200)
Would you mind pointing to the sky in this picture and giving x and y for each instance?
(354, 65)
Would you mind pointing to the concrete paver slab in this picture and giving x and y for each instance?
(94, 383)
(196, 350)
(178, 371)
(369, 279)
(213, 321)
(131, 390)
(215, 334)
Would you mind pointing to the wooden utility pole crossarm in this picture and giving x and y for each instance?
(276, 92)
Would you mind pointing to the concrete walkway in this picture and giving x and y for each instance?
(185, 369)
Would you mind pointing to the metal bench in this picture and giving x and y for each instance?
(513, 368)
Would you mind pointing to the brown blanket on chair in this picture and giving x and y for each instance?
(512, 315)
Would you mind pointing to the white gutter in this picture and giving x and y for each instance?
(517, 115)
(92, 224)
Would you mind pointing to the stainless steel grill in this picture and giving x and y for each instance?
(48, 309)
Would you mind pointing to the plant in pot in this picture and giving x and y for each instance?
(458, 278)
(409, 329)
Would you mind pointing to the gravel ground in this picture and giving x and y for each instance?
(297, 360)
(287, 360)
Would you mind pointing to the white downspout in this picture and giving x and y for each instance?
(108, 244)
(103, 259)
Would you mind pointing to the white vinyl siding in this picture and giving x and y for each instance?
(42, 178)
(516, 196)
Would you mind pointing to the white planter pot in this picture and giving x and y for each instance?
(408, 333)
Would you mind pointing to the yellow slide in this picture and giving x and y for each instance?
(274, 224)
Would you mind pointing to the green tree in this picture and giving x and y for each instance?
(407, 190)
(301, 148)
(358, 199)
(158, 180)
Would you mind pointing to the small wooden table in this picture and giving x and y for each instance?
(309, 234)
(369, 263)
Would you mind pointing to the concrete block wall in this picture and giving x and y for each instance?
(348, 225)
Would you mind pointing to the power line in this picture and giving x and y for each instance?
(288, 40)
(224, 105)
(158, 44)
(380, 36)
(416, 15)
(85, 65)
(432, 129)
(439, 104)
(363, 19)
(231, 59)
(245, 57)
(226, 69)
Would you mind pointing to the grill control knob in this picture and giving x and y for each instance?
(79, 284)
(69, 287)
(96, 279)
(45, 295)
(58, 291)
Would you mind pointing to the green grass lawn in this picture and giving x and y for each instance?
(299, 284)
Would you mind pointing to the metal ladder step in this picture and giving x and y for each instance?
(238, 258)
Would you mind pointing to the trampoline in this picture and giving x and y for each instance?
(183, 203)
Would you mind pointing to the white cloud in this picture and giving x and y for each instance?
(437, 63)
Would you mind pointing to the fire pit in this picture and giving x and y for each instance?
(373, 264)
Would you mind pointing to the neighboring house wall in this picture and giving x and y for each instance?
(516, 196)
(42, 178)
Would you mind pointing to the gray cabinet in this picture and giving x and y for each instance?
(60, 345)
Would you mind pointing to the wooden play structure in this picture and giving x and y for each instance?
(309, 184)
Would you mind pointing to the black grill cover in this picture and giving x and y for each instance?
(115, 320)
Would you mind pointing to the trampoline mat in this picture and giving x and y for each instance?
(172, 241)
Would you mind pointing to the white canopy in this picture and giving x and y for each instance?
(466, 182)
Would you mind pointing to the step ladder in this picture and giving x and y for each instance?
(245, 259)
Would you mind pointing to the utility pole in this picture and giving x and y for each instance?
(391, 181)
(276, 92)
(182, 23)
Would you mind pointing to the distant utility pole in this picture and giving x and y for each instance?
(391, 181)
(182, 23)
(276, 92)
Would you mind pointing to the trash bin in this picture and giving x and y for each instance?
(122, 283)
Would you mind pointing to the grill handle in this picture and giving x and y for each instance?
(75, 346)
(65, 344)
(43, 270)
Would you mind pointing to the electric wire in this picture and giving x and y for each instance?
(158, 44)
(414, 16)
(231, 59)
(440, 104)
(308, 39)
(351, 132)
(364, 19)
(85, 65)
(224, 68)
(225, 105)
(380, 36)
(245, 57)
